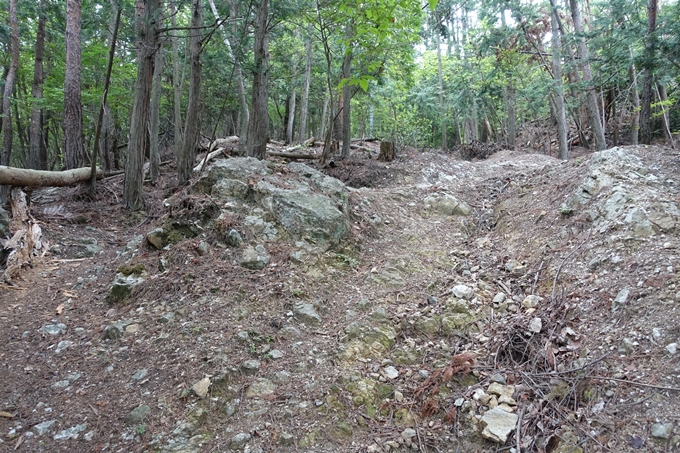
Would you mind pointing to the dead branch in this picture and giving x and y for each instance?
(292, 155)
(25, 177)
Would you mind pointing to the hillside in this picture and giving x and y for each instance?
(514, 302)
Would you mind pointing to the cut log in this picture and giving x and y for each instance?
(308, 142)
(11, 176)
(293, 155)
(386, 151)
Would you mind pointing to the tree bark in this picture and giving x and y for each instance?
(9, 86)
(193, 121)
(291, 100)
(582, 51)
(663, 98)
(73, 107)
(511, 98)
(304, 102)
(177, 91)
(40, 178)
(259, 119)
(154, 119)
(646, 121)
(441, 90)
(559, 93)
(37, 153)
(146, 16)
(635, 101)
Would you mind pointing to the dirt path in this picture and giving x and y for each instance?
(349, 352)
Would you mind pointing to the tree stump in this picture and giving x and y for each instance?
(386, 151)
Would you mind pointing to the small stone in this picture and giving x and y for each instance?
(620, 299)
(137, 415)
(140, 374)
(70, 433)
(201, 387)
(536, 325)
(44, 427)
(255, 258)
(281, 377)
(656, 333)
(499, 424)
(239, 441)
(234, 239)
(250, 367)
(408, 433)
(290, 333)
(202, 248)
(398, 396)
(286, 439)
(391, 372)
(166, 318)
(463, 292)
(531, 301)
(515, 267)
(275, 354)
(260, 388)
(627, 346)
(499, 298)
(306, 313)
(132, 328)
(662, 430)
(88, 436)
(501, 390)
(63, 345)
(672, 348)
(53, 329)
(498, 379)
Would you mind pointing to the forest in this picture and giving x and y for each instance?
(116, 84)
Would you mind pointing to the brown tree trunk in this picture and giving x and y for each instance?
(346, 101)
(39, 178)
(386, 151)
(37, 153)
(259, 118)
(193, 121)
(560, 115)
(154, 119)
(635, 101)
(442, 111)
(146, 16)
(304, 102)
(9, 86)
(646, 120)
(177, 91)
(73, 108)
(511, 97)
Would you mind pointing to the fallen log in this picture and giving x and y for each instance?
(308, 142)
(208, 158)
(11, 176)
(293, 155)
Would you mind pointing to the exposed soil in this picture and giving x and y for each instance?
(573, 380)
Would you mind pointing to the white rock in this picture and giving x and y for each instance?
(499, 424)
(201, 387)
(463, 292)
(536, 325)
(391, 372)
(672, 348)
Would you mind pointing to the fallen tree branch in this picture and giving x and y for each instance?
(292, 155)
(11, 176)
(208, 158)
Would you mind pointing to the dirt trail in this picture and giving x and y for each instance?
(346, 352)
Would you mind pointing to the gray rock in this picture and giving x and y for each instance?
(286, 439)
(44, 427)
(255, 258)
(234, 169)
(239, 440)
(88, 436)
(122, 287)
(391, 372)
(408, 433)
(515, 267)
(531, 301)
(261, 228)
(166, 318)
(662, 430)
(140, 374)
(672, 348)
(447, 204)
(499, 298)
(281, 377)
(4, 223)
(306, 313)
(70, 433)
(233, 238)
(289, 332)
(117, 329)
(203, 248)
(499, 424)
(275, 354)
(53, 329)
(620, 299)
(84, 248)
(498, 379)
(157, 237)
(250, 367)
(137, 415)
(63, 345)
(134, 243)
(463, 292)
(535, 325)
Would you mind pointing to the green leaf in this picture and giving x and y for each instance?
(433, 4)
(363, 83)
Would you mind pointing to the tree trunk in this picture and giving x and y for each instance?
(146, 16)
(386, 151)
(304, 102)
(582, 51)
(635, 100)
(259, 119)
(154, 119)
(646, 120)
(9, 86)
(346, 100)
(192, 128)
(73, 107)
(177, 91)
(37, 153)
(39, 178)
(291, 100)
(559, 93)
(663, 98)
(511, 97)
(441, 90)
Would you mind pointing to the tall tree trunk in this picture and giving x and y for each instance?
(663, 98)
(192, 128)
(635, 100)
(582, 51)
(291, 99)
(347, 98)
(442, 111)
(646, 120)
(37, 153)
(9, 86)
(259, 119)
(304, 102)
(177, 92)
(146, 16)
(73, 107)
(560, 115)
(511, 98)
(154, 119)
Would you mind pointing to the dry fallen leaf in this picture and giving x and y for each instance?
(6, 414)
(60, 309)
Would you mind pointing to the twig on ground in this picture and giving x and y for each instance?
(559, 269)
